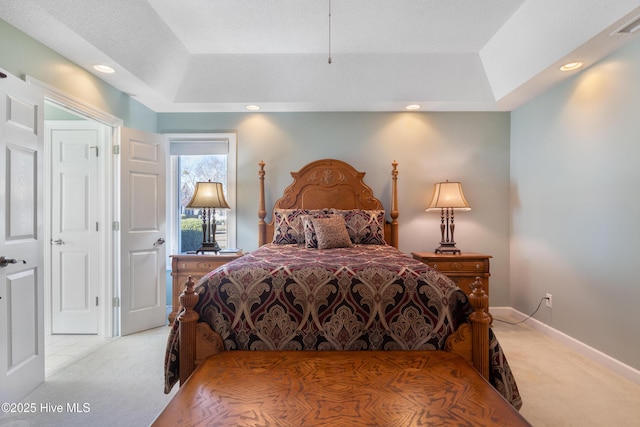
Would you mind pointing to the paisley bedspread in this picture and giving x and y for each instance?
(366, 297)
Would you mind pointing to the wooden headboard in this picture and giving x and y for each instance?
(329, 183)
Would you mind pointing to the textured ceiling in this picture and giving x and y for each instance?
(220, 55)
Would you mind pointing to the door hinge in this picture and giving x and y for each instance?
(116, 225)
(116, 149)
(97, 226)
(116, 301)
(96, 301)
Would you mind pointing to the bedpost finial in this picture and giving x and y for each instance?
(478, 298)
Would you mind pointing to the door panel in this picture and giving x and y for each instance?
(143, 270)
(21, 241)
(76, 239)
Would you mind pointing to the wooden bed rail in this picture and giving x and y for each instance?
(197, 340)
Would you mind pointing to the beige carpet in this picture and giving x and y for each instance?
(118, 384)
(122, 384)
(560, 388)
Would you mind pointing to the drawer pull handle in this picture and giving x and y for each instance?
(435, 266)
(478, 266)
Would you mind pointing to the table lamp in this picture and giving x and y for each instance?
(208, 196)
(447, 197)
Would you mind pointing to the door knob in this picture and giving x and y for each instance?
(57, 242)
(158, 242)
(6, 261)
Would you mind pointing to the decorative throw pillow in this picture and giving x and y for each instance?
(310, 237)
(366, 227)
(331, 232)
(288, 227)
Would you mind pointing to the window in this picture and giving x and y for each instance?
(195, 158)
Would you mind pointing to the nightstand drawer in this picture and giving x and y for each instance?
(200, 268)
(461, 266)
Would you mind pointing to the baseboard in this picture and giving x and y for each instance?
(581, 348)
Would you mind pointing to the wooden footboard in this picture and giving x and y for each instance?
(198, 341)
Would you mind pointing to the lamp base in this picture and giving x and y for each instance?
(447, 248)
(209, 247)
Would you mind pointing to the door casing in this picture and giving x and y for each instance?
(108, 324)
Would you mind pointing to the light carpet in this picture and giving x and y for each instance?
(120, 383)
(560, 387)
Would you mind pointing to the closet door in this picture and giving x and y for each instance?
(142, 230)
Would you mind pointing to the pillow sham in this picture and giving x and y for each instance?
(331, 232)
(288, 227)
(365, 227)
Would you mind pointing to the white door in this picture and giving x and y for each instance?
(21, 238)
(143, 212)
(76, 226)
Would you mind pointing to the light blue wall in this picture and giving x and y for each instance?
(21, 55)
(429, 147)
(575, 206)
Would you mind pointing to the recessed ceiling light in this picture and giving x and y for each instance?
(413, 107)
(104, 68)
(252, 107)
(570, 66)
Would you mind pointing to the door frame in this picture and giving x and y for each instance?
(108, 324)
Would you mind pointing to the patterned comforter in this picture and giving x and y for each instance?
(366, 297)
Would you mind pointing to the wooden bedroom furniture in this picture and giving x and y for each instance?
(329, 183)
(337, 388)
(462, 268)
(195, 266)
(321, 184)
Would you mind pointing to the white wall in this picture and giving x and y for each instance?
(429, 147)
(575, 154)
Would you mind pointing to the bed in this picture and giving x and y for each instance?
(308, 287)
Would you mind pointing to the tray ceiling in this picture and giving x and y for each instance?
(219, 56)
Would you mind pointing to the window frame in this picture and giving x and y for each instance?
(173, 180)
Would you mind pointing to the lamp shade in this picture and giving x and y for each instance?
(448, 195)
(208, 195)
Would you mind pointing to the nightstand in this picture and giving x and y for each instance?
(461, 268)
(196, 266)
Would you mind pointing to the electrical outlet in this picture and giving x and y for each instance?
(549, 301)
